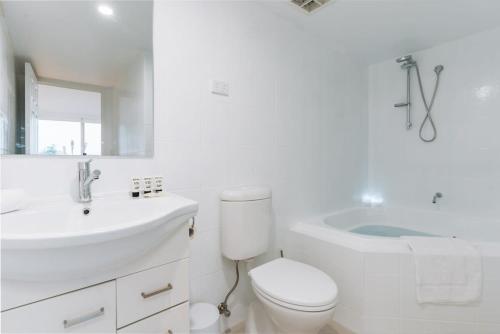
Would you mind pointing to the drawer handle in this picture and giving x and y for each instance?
(154, 293)
(83, 318)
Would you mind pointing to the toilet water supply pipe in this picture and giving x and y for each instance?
(223, 309)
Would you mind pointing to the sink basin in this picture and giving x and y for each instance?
(54, 239)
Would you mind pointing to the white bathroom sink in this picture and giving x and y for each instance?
(54, 239)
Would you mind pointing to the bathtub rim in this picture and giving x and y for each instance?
(317, 228)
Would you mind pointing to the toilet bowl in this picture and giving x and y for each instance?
(297, 297)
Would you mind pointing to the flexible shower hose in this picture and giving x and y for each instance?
(428, 107)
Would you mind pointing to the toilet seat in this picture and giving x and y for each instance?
(295, 307)
(294, 285)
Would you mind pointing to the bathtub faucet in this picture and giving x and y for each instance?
(436, 196)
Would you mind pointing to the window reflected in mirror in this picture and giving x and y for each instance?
(76, 79)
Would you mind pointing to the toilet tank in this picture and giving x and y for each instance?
(246, 219)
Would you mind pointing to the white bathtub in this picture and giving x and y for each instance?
(376, 275)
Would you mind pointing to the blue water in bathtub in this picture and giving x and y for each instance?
(388, 231)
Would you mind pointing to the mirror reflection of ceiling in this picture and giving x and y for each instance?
(74, 42)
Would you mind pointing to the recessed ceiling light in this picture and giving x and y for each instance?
(105, 10)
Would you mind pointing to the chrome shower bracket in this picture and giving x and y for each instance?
(407, 104)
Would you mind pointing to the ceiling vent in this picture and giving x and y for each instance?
(310, 5)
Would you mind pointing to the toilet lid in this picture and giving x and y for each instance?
(246, 193)
(294, 283)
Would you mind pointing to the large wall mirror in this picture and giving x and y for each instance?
(76, 78)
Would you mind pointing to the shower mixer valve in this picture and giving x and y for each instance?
(436, 197)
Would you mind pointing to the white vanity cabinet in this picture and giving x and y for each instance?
(150, 301)
(150, 294)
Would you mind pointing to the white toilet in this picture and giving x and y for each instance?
(293, 297)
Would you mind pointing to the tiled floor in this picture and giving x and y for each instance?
(240, 329)
(329, 330)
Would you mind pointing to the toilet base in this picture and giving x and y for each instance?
(259, 322)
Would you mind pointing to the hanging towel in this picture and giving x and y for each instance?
(12, 200)
(448, 270)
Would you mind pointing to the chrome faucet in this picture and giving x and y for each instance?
(85, 179)
(436, 196)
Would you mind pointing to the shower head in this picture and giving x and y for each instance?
(407, 62)
(403, 59)
(438, 69)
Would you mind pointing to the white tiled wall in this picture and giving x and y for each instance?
(295, 119)
(464, 161)
(133, 110)
(291, 110)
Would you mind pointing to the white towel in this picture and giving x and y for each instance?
(12, 200)
(449, 270)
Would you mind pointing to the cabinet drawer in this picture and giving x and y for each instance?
(90, 310)
(172, 321)
(151, 291)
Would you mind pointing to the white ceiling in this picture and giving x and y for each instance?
(95, 49)
(70, 40)
(375, 30)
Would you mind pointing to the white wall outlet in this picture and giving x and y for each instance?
(220, 87)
